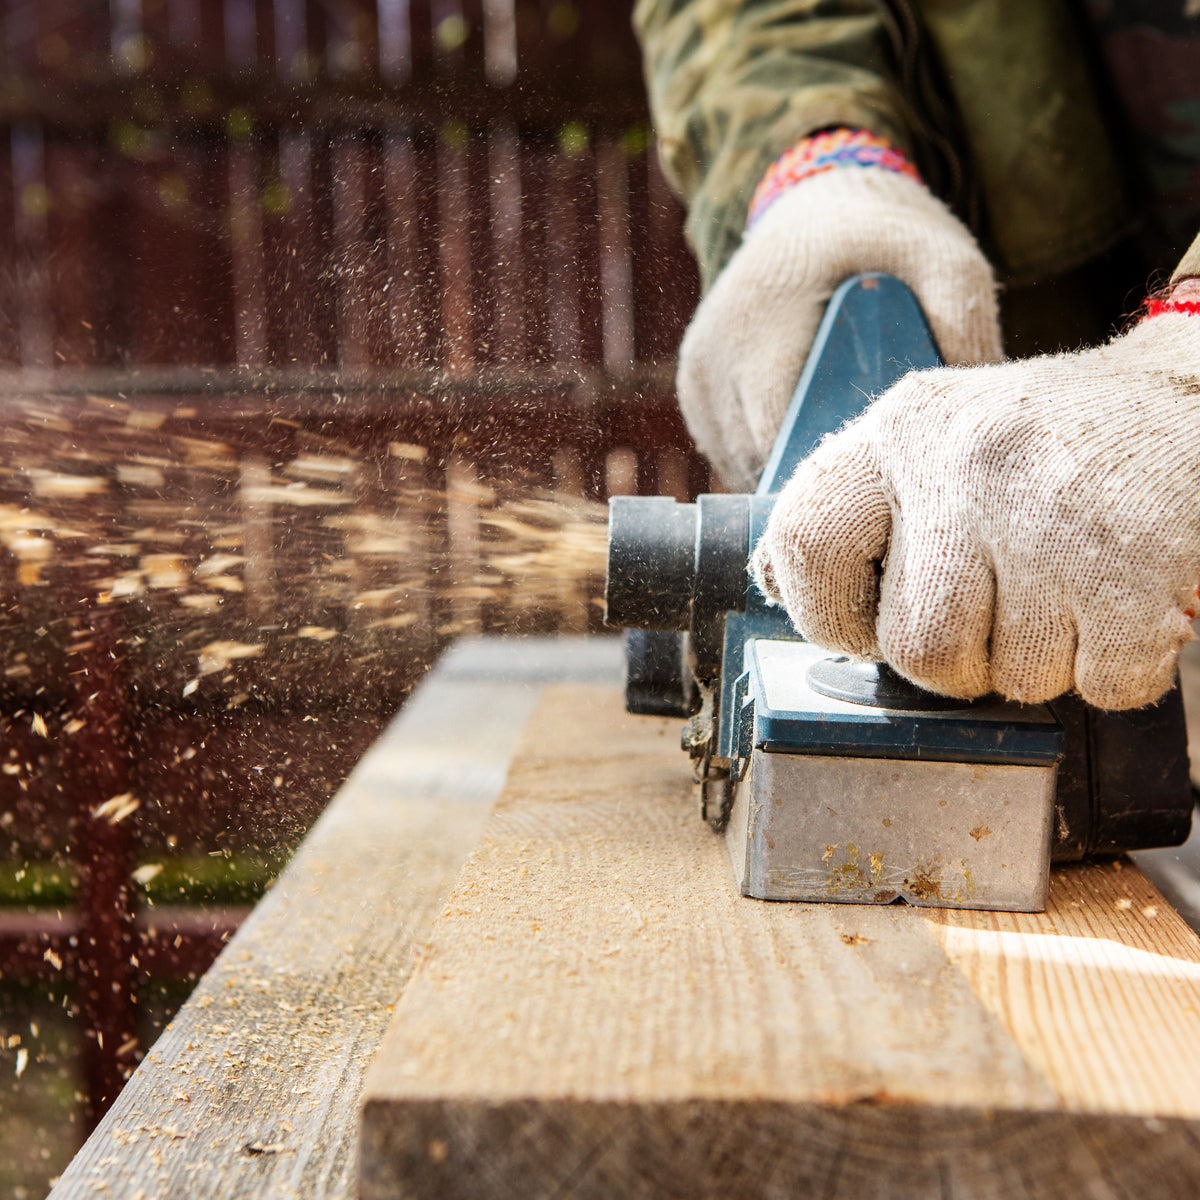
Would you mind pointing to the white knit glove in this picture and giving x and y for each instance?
(1037, 523)
(743, 352)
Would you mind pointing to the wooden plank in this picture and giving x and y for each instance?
(599, 1014)
(253, 1089)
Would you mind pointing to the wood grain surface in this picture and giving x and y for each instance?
(253, 1090)
(599, 1014)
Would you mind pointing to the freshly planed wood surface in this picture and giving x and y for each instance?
(598, 1014)
(253, 1090)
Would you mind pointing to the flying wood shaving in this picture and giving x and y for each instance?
(318, 633)
(139, 475)
(321, 466)
(29, 537)
(144, 418)
(205, 601)
(17, 519)
(223, 542)
(66, 487)
(129, 584)
(143, 874)
(380, 597)
(202, 452)
(164, 571)
(217, 564)
(403, 621)
(114, 811)
(293, 493)
(225, 583)
(217, 656)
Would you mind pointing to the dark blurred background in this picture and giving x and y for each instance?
(325, 326)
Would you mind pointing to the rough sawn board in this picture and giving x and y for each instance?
(598, 1014)
(253, 1089)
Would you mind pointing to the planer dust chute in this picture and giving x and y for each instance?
(835, 780)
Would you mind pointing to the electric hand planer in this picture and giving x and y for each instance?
(840, 781)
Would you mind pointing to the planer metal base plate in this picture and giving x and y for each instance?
(874, 830)
(858, 804)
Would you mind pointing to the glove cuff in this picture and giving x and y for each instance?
(823, 152)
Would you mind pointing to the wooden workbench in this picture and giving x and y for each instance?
(597, 1014)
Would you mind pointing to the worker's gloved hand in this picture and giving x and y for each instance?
(1037, 523)
(742, 354)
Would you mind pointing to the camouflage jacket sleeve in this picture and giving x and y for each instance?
(734, 83)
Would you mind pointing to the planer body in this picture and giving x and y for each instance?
(839, 781)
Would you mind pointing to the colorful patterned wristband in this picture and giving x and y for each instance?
(822, 152)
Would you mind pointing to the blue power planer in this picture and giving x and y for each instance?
(833, 780)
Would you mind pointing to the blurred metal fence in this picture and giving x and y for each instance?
(316, 321)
